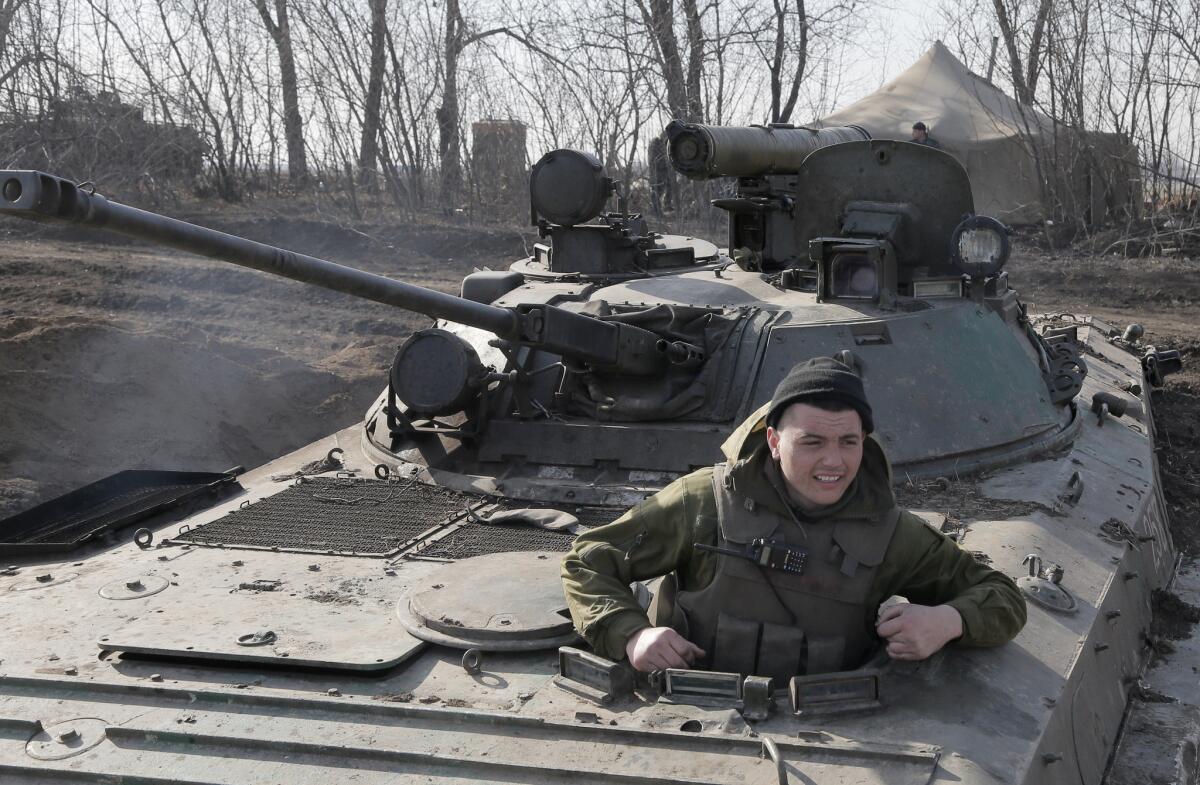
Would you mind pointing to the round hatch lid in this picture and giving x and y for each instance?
(66, 739)
(135, 588)
(498, 602)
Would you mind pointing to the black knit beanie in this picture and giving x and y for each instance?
(821, 377)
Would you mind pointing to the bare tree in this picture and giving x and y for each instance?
(369, 146)
(1026, 67)
(281, 33)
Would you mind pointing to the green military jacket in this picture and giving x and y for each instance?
(657, 537)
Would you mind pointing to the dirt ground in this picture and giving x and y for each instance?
(116, 355)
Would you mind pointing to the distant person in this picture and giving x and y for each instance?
(920, 135)
(662, 185)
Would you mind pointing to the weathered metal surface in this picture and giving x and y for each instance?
(498, 602)
(169, 733)
(270, 609)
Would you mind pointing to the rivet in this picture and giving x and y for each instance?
(1100, 647)
(314, 568)
(1131, 574)
(155, 677)
(70, 670)
(1051, 757)
(333, 692)
(134, 585)
(44, 578)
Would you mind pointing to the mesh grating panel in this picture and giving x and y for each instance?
(367, 517)
(476, 539)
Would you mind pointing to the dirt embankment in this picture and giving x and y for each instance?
(117, 355)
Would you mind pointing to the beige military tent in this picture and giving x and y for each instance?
(1024, 167)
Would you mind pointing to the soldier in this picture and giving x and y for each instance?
(783, 555)
(920, 135)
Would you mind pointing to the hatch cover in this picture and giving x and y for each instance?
(67, 522)
(499, 602)
(274, 610)
(336, 515)
(134, 588)
(66, 739)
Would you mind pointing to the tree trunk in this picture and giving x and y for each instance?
(781, 107)
(1033, 66)
(661, 20)
(695, 66)
(293, 124)
(447, 112)
(369, 148)
(1014, 54)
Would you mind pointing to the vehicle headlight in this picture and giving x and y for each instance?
(979, 246)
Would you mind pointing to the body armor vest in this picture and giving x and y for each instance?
(758, 620)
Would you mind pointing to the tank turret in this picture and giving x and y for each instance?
(863, 249)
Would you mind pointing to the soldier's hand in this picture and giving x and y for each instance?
(657, 648)
(914, 632)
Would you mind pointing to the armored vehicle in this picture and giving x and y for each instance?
(384, 605)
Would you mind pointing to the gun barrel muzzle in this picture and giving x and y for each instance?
(706, 151)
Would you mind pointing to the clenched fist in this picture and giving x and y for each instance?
(658, 648)
(914, 632)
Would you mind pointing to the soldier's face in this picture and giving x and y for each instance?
(819, 452)
(918, 135)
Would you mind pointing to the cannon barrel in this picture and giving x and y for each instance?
(705, 151)
(40, 196)
(605, 345)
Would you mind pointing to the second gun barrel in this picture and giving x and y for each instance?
(705, 151)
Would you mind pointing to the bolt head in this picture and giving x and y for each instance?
(67, 736)
(134, 585)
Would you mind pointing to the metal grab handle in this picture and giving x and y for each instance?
(771, 750)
